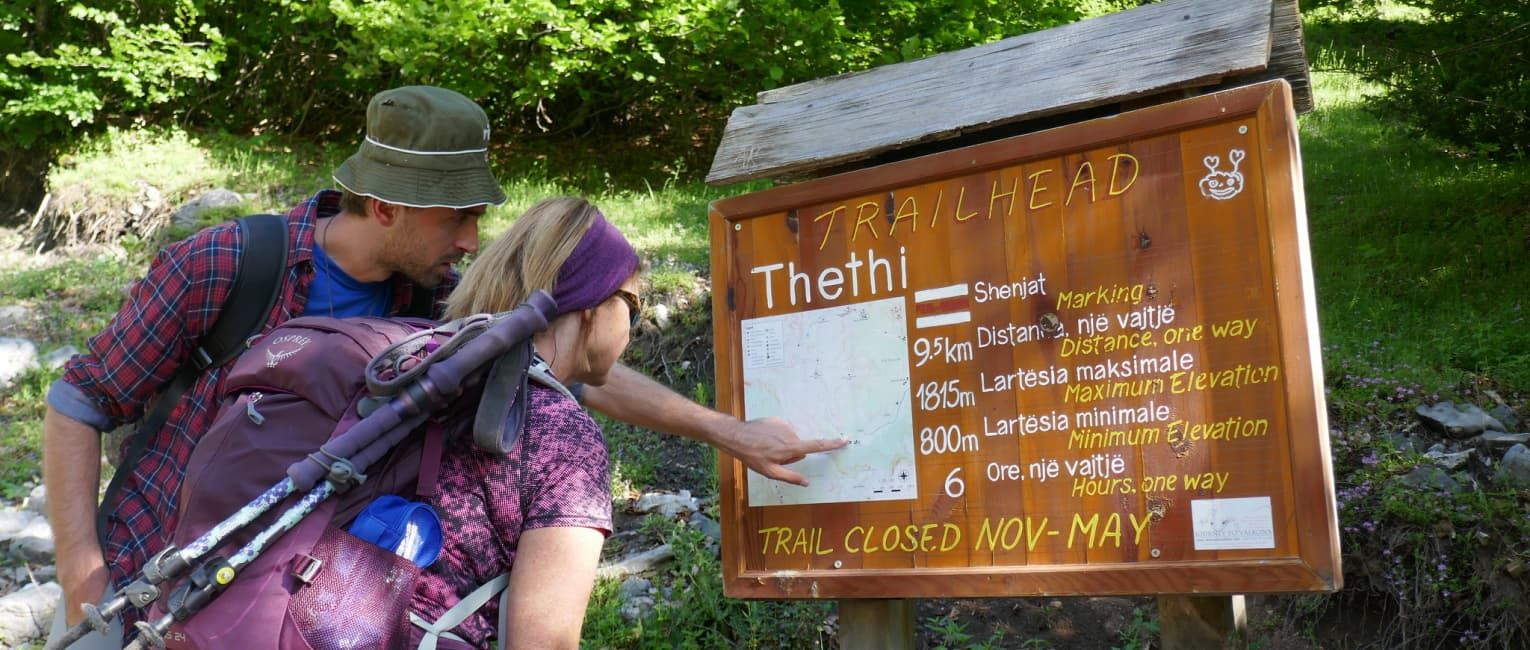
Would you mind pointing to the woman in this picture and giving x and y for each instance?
(543, 510)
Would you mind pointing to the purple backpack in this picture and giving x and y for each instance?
(299, 388)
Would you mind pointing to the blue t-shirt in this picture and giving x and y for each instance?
(334, 293)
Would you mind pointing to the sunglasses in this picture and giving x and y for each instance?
(634, 306)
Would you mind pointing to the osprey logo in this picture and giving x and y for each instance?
(283, 347)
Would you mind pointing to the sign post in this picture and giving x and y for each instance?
(1082, 361)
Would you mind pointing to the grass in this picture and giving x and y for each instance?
(21, 411)
(1417, 248)
(694, 613)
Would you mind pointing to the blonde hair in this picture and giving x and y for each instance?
(525, 258)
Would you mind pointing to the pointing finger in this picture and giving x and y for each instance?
(820, 445)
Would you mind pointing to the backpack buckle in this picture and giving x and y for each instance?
(306, 567)
(200, 358)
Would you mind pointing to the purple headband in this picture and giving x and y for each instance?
(600, 263)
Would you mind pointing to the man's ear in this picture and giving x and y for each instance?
(385, 213)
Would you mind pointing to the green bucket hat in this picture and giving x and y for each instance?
(425, 147)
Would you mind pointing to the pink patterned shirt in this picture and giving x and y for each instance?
(556, 475)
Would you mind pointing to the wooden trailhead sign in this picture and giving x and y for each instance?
(1078, 361)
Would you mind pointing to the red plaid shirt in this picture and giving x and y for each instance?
(130, 362)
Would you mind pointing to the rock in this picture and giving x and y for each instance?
(21, 523)
(16, 356)
(637, 563)
(26, 575)
(637, 609)
(37, 500)
(1498, 441)
(28, 534)
(1514, 469)
(1402, 440)
(634, 587)
(1457, 421)
(1448, 460)
(14, 317)
(668, 505)
(711, 529)
(26, 614)
(1507, 416)
(189, 215)
(57, 358)
(36, 549)
(1431, 478)
(661, 315)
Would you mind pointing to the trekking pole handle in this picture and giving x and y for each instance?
(443, 378)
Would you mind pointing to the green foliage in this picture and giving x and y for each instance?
(947, 633)
(1465, 76)
(1415, 253)
(558, 66)
(1140, 633)
(117, 162)
(125, 56)
(1436, 558)
(693, 613)
(95, 283)
(1457, 68)
(21, 413)
(72, 73)
(643, 86)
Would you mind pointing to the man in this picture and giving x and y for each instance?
(412, 196)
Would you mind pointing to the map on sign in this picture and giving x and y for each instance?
(835, 372)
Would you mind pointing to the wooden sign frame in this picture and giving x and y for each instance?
(805, 551)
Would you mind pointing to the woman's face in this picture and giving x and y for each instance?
(610, 330)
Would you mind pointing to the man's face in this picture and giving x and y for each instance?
(426, 242)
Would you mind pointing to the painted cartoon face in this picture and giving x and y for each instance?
(1218, 184)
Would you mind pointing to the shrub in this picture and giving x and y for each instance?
(72, 74)
(636, 87)
(1456, 69)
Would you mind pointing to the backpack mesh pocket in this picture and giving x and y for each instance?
(356, 594)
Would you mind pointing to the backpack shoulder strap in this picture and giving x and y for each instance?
(262, 261)
(541, 373)
(459, 612)
(422, 302)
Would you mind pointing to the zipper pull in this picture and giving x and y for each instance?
(249, 409)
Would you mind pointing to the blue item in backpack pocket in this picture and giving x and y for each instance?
(408, 528)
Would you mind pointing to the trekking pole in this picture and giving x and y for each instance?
(169, 564)
(214, 576)
(364, 443)
(172, 563)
